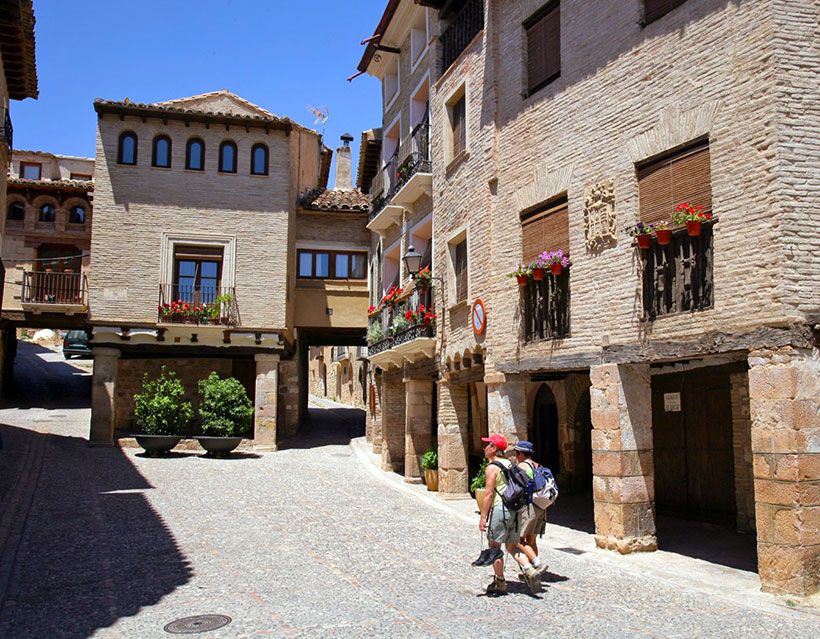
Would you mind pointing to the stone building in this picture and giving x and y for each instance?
(339, 373)
(683, 378)
(236, 223)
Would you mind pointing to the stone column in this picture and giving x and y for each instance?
(453, 480)
(784, 393)
(506, 406)
(103, 389)
(266, 401)
(374, 413)
(742, 448)
(393, 421)
(418, 426)
(623, 483)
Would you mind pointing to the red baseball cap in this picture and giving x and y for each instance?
(499, 440)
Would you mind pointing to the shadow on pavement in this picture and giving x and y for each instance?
(327, 427)
(80, 553)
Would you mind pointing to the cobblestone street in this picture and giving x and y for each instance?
(310, 541)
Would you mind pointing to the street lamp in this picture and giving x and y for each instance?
(412, 260)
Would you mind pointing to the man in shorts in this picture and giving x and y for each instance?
(532, 519)
(500, 523)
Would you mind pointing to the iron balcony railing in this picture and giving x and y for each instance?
(8, 130)
(546, 307)
(414, 152)
(463, 28)
(190, 304)
(678, 277)
(43, 287)
(393, 328)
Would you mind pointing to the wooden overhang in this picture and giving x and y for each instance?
(375, 40)
(370, 153)
(17, 48)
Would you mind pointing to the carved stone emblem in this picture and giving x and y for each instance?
(599, 216)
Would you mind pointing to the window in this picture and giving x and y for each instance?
(654, 9)
(681, 176)
(46, 213)
(197, 274)
(545, 228)
(458, 125)
(227, 157)
(458, 257)
(543, 47)
(418, 37)
(76, 215)
(390, 84)
(340, 265)
(162, 152)
(195, 155)
(30, 170)
(127, 148)
(259, 159)
(16, 211)
(82, 176)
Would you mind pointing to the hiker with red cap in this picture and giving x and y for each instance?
(500, 523)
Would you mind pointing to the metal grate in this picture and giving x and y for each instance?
(197, 624)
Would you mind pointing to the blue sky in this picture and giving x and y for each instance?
(280, 55)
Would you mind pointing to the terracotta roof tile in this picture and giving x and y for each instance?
(86, 185)
(333, 200)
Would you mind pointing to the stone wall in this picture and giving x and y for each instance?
(742, 445)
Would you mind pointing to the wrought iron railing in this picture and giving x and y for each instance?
(387, 321)
(8, 131)
(546, 307)
(41, 287)
(678, 277)
(190, 304)
(463, 28)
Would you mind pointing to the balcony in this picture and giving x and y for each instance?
(400, 183)
(394, 340)
(546, 307)
(201, 305)
(463, 28)
(46, 292)
(7, 134)
(677, 278)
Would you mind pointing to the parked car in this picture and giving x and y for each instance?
(76, 343)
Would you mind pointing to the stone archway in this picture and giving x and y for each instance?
(545, 429)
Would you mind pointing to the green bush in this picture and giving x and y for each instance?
(481, 477)
(375, 333)
(161, 409)
(225, 407)
(429, 461)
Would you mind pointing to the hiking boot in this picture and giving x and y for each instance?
(497, 587)
(533, 579)
(491, 556)
(542, 568)
(482, 558)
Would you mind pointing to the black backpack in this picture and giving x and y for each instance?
(517, 495)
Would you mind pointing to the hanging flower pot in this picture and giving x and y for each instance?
(538, 273)
(522, 280)
(693, 228)
(556, 269)
(644, 240)
(664, 236)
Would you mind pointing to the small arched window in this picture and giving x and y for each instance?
(259, 159)
(47, 213)
(227, 157)
(127, 149)
(162, 152)
(76, 215)
(195, 155)
(16, 211)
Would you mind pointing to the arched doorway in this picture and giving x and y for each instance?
(545, 429)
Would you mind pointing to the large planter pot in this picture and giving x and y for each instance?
(664, 236)
(431, 478)
(157, 444)
(556, 269)
(538, 274)
(693, 228)
(479, 497)
(218, 446)
(644, 241)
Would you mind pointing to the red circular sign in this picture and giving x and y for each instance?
(479, 317)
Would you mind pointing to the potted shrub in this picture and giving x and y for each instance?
(429, 462)
(391, 298)
(663, 233)
(422, 316)
(478, 483)
(399, 324)
(218, 311)
(692, 216)
(161, 412)
(556, 260)
(226, 412)
(375, 333)
(521, 274)
(642, 234)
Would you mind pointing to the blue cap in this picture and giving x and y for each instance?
(525, 447)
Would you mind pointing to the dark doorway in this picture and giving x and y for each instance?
(583, 443)
(545, 429)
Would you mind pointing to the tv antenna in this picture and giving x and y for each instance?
(321, 114)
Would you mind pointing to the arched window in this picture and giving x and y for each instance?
(46, 213)
(16, 211)
(259, 159)
(162, 152)
(195, 155)
(127, 149)
(76, 215)
(227, 157)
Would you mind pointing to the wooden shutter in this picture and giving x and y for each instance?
(654, 9)
(545, 229)
(460, 268)
(459, 126)
(543, 46)
(682, 177)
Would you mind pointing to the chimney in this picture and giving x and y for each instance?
(344, 174)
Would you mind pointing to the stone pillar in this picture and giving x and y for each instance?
(393, 421)
(266, 402)
(506, 406)
(623, 483)
(418, 426)
(453, 480)
(103, 389)
(288, 409)
(784, 393)
(742, 449)
(374, 413)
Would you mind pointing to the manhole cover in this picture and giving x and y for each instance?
(199, 623)
(572, 551)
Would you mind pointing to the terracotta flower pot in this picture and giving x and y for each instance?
(431, 478)
(644, 241)
(538, 274)
(522, 280)
(664, 236)
(556, 269)
(693, 228)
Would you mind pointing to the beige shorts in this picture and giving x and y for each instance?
(532, 520)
